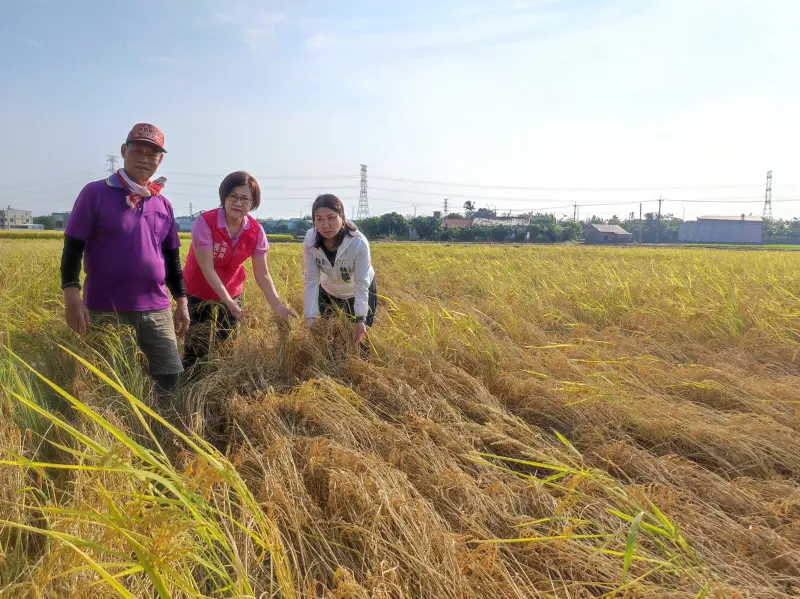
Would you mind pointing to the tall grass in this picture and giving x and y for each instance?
(529, 422)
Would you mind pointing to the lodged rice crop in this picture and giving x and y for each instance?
(566, 422)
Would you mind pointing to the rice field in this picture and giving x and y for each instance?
(554, 422)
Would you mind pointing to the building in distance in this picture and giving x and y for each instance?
(722, 229)
(11, 218)
(606, 234)
(457, 223)
(60, 220)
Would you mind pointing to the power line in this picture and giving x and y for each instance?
(536, 188)
(214, 186)
(286, 177)
(517, 199)
(57, 180)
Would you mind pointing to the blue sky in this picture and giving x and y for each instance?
(622, 100)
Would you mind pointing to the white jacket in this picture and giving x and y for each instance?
(349, 276)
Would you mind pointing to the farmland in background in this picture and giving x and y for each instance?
(566, 422)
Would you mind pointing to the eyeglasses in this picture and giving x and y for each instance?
(142, 152)
(243, 200)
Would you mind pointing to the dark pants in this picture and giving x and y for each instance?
(209, 322)
(329, 304)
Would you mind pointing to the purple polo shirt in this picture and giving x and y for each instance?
(123, 260)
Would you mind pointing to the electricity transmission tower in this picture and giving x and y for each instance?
(112, 163)
(363, 203)
(768, 198)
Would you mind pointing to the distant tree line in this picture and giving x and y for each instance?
(782, 231)
(543, 228)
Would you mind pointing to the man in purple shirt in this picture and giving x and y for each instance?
(125, 232)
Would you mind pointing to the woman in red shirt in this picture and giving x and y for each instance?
(222, 240)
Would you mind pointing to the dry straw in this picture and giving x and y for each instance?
(528, 422)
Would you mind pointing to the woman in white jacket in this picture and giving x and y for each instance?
(338, 268)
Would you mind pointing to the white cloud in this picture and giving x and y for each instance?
(319, 41)
(258, 25)
(29, 41)
(260, 31)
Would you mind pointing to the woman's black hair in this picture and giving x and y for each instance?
(331, 202)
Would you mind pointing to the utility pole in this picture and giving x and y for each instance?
(658, 226)
(363, 204)
(575, 212)
(112, 163)
(191, 212)
(768, 198)
(640, 222)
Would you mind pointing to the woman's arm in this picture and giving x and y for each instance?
(310, 285)
(205, 258)
(264, 281)
(361, 280)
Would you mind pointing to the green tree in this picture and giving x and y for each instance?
(469, 208)
(369, 227)
(282, 226)
(48, 221)
(427, 227)
(484, 213)
(392, 223)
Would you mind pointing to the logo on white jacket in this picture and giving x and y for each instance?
(345, 274)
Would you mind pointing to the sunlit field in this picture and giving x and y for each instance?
(568, 422)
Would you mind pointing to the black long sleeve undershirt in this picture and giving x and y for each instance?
(174, 273)
(72, 257)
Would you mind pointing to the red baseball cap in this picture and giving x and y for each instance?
(147, 133)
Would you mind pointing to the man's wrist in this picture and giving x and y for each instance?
(360, 319)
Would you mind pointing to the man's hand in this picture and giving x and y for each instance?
(311, 323)
(181, 317)
(75, 312)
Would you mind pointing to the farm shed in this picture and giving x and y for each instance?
(722, 229)
(457, 223)
(606, 234)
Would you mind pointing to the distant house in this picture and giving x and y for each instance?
(722, 229)
(606, 234)
(457, 223)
